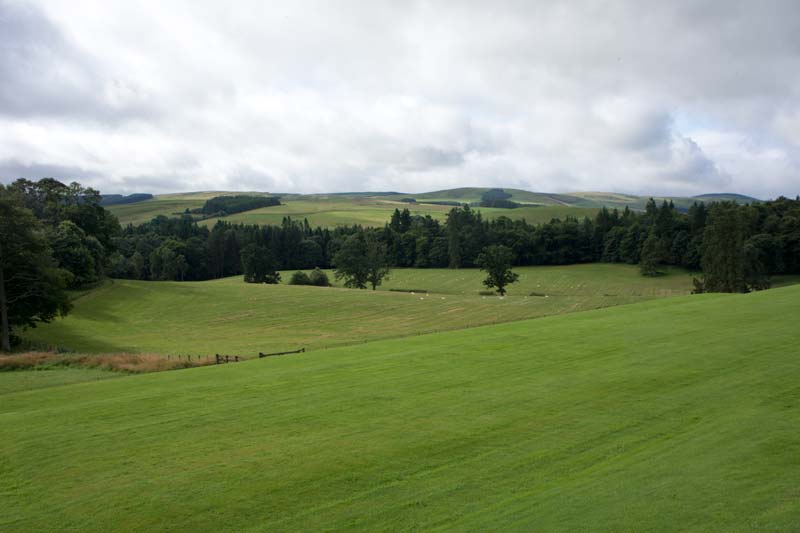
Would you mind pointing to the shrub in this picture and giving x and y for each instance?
(319, 278)
(300, 278)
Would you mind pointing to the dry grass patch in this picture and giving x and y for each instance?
(121, 362)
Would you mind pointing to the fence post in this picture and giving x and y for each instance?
(227, 358)
(237, 358)
(217, 356)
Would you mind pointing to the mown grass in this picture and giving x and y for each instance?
(50, 377)
(671, 414)
(232, 317)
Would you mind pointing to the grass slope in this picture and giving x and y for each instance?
(375, 212)
(670, 414)
(165, 204)
(374, 209)
(233, 317)
(22, 380)
(327, 210)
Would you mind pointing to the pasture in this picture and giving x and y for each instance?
(328, 210)
(640, 417)
(164, 204)
(375, 212)
(230, 316)
(331, 210)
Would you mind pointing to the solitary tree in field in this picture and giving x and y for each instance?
(361, 260)
(495, 260)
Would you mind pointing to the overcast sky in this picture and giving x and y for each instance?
(643, 97)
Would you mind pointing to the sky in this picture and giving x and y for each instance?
(661, 98)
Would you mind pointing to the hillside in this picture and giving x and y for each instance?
(637, 417)
(375, 208)
(233, 317)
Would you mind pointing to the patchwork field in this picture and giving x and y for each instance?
(328, 211)
(680, 411)
(371, 209)
(165, 204)
(233, 317)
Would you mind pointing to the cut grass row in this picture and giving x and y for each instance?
(233, 317)
(675, 413)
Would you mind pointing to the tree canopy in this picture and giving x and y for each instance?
(496, 260)
(31, 284)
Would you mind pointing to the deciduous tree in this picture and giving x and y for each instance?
(495, 260)
(31, 286)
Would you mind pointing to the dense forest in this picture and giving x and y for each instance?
(229, 205)
(57, 236)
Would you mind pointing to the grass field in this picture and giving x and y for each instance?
(327, 210)
(331, 210)
(376, 212)
(233, 317)
(167, 204)
(676, 413)
(17, 381)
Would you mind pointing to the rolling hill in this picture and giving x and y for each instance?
(232, 317)
(635, 417)
(375, 208)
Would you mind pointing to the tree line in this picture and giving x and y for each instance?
(57, 237)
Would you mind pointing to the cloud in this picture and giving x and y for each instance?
(11, 170)
(680, 97)
(45, 75)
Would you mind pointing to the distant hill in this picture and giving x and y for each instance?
(574, 199)
(720, 196)
(373, 208)
(118, 199)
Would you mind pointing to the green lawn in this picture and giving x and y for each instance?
(233, 317)
(672, 414)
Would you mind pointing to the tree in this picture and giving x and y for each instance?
(723, 259)
(495, 260)
(651, 255)
(361, 260)
(77, 252)
(259, 265)
(350, 262)
(466, 236)
(31, 286)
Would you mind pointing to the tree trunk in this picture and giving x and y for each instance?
(5, 332)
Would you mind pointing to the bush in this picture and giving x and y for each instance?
(300, 278)
(319, 278)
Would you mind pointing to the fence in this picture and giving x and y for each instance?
(261, 355)
(226, 359)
